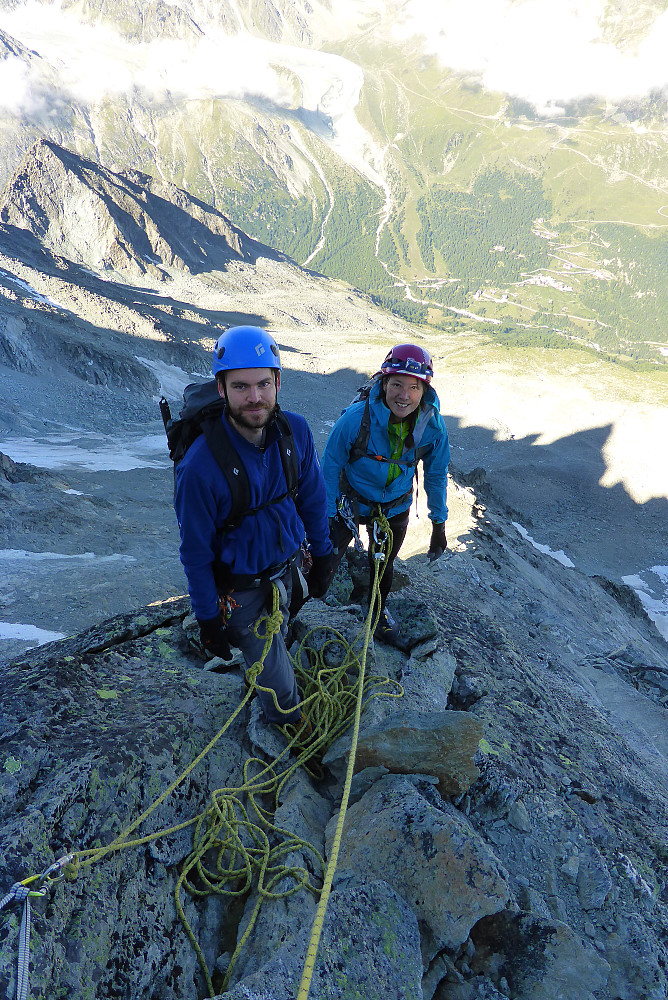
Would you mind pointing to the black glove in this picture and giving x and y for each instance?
(214, 640)
(439, 542)
(321, 574)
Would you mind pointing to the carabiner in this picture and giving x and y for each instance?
(345, 512)
(47, 878)
(379, 539)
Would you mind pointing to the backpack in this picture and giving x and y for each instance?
(201, 414)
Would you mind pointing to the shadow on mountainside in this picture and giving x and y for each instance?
(556, 490)
(553, 490)
(177, 319)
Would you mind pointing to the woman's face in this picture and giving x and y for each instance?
(403, 394)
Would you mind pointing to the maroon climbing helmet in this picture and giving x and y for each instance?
(408, 359)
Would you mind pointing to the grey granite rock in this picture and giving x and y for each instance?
(594, 882)
(431, 856)
(439, 743)
(370, 947)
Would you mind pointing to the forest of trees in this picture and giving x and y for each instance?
(481, 238)
(462, 229)
(635, 305)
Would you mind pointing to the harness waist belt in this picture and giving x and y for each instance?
(248, 581)
(353, 495)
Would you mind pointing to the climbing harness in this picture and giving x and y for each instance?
(236, 830)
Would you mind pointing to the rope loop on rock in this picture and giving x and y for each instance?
(237, 848)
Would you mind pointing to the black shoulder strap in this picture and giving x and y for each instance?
(360, 446)
(232, 467)
(235, 473)
(361, 443)
(289, 456)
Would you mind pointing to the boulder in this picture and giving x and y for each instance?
(370, 947)
(438, 743)
(429, 854)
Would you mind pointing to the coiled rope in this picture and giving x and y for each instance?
(238, 834)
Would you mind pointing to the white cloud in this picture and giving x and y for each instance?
(541, 51)
(94, 62)
(17, 91)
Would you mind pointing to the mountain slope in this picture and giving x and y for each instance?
(352, 148)
(116, 222)
(538, 869)
(92, 260)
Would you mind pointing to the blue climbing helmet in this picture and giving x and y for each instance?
(245, 347)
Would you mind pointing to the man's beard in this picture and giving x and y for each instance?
(253, 421)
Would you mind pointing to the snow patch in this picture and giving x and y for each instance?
(28, 633)
(653, 594)
(560, 556)
(32, 292)
(172, 379)
(16, 555)
(86, 450)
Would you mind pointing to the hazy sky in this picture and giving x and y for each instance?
(541, 50)
(544, 51)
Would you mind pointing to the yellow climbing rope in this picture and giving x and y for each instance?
(236, 845)
(374, 614)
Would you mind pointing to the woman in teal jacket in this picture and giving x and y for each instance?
(371, 457)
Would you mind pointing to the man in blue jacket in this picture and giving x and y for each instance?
(371, 458)
(230, 569)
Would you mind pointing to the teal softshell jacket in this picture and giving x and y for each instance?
(368, 476)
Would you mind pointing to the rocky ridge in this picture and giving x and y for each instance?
(507, 833)
(97, 267)
(117, 221)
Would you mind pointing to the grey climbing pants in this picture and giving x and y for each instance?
(277, 672)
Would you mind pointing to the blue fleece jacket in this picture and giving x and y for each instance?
(263, 539)
(368, 476)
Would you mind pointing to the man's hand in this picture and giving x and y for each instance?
(320, 575)
(439, 542)
(214, 640)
